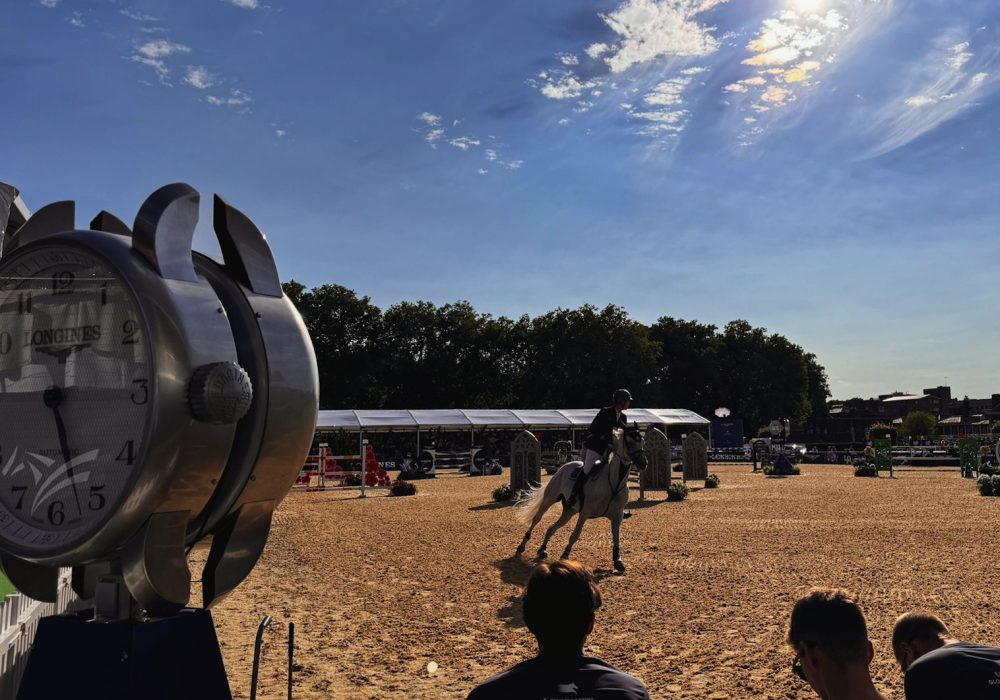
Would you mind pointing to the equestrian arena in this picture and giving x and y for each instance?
(418, 597)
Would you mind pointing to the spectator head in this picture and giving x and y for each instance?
(828, 632)
(559, 605)
(915, 634)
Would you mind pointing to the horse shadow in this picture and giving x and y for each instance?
(496, 505)
(514, 570)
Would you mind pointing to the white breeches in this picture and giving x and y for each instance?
(589, 457)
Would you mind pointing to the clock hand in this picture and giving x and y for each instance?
(53, 396)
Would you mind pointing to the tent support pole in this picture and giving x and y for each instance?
(361, 451)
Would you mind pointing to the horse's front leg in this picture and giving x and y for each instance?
(575, 535)
(616, 550)
(564, 518)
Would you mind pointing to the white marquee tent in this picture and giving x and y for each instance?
(485, 419)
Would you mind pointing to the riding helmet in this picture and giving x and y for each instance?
(622, 395)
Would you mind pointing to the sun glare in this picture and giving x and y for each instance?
(807, 6)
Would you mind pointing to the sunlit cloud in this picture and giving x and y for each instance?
(650, 29)
(199, 77)
(953, 76)
(76, 19)
(48, 3)
(161, 48)
(464, 143)
(646, 33)
(246, 4)
(791, 49)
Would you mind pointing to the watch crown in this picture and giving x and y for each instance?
(220, 393)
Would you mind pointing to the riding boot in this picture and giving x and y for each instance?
(577, 495)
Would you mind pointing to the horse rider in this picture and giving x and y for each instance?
(597, 445)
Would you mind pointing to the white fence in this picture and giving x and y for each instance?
(19, 617)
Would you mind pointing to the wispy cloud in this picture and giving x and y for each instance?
(76, 19)
(48, 3)
(662, 112)
(137, 16)
(434, 132)
(247, 4)
(153, 53)
(948, 80)
(235, 98)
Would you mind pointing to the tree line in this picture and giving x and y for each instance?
(417, 355)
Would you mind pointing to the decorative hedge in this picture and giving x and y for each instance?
(401, 487)
(678, 491)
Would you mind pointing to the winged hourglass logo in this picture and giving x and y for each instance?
(50, 478)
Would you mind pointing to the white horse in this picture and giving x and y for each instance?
(604, 495)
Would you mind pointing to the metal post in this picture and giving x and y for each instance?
(361, 449)
(291, 655)
(472, 446)
(264, 624)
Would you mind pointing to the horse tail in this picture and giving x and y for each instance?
(533, 502)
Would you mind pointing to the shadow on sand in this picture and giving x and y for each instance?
(496, 505)
(514, 570)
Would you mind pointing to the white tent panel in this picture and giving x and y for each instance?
(642, 416)
(679, 416)
(543, 419)
(579, 417)
(465, 419)
(386, 420)
(337, 420)
(492, 418)
(441, 419)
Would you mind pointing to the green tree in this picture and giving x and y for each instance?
(918, 424)
(686, 373)
(344, 330)
(579, 357)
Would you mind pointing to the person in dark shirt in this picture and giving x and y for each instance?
(599, 438)
(939, 667)
(829, 634)
(559, 605)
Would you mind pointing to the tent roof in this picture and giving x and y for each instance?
(543, 418)
(482, 418)
(443, 418)
(492, 418)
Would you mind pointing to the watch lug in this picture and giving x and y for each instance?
(164, 228)
(49, 220)
(109, 223)
(33, 580)
(237, 544)
(245, 251)
(154, 564)
(85, 578)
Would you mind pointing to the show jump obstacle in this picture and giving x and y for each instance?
(150, 397)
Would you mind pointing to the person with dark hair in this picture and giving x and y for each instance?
(937, 665)
(829, 635)
(599, 439)
(559, 605)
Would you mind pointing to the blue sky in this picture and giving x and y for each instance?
(823, 168)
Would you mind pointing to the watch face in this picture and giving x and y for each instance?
(75, 389)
